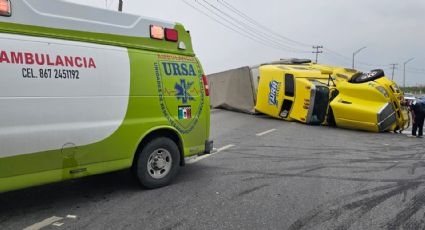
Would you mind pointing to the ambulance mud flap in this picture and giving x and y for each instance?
(209, 145)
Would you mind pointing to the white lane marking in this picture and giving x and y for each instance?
(265, 132)
(57, 224)
(71, 216)
(43, 223)
(209, 155)
(224, 148)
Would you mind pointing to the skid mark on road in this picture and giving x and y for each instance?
(176, 225)
(411, 208)
(251, 190)
(345, 211)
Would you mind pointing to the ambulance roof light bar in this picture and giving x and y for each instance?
(5, 8)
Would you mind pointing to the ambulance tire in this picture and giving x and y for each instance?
(365, 77)
(157, 163)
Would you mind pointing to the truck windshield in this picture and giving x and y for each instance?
(321, 102)
(289, 85)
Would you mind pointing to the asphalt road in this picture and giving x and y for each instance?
(267, 174)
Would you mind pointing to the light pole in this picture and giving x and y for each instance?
(120, 5)
(394, 67)
(356, 52)
(404, 72)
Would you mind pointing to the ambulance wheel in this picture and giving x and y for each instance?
(365, 77)
(158, 163)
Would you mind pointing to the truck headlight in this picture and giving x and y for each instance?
(382, 90)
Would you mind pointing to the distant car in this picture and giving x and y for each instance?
(409, 97)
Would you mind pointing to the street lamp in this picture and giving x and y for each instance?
(356, 52)
(404, 72)
(120, 4)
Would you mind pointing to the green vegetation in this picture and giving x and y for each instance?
(414, 89)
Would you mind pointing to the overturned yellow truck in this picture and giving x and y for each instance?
(298, 90)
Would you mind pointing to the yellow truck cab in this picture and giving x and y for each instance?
(85, 91)
(319, 94)
(365, 91)
(292, 90)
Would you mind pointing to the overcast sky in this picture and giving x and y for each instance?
(393, 31)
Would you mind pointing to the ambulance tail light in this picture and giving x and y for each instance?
(207, 88)
(171, 35)
(5, 9)
(157, 32)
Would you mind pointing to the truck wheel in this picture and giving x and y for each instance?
(158, 163)
(365, 77)
(331, 118)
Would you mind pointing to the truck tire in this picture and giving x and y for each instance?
(331, 118)
(365, 77)
(157, 163)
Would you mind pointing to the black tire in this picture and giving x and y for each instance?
(331, 118)
(365, 77)
(158, 163)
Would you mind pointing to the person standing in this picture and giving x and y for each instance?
(417, 108)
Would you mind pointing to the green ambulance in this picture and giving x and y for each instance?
(85, 91)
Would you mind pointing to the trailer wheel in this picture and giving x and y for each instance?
(365, 77)
(157, 163)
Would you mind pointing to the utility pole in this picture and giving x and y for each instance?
(404, 72)
(356, 52)
(317, 51)
(393, 66)
(120, 6)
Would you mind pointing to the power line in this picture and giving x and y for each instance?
(249, 34)
(239, 29)
(417, 69)
(357, 62)
(110, 3)
(245, 27)
(229, 27)
(259, 25)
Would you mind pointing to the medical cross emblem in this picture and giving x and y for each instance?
(183, 91)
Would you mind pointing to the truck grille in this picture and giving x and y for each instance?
(386, 117)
